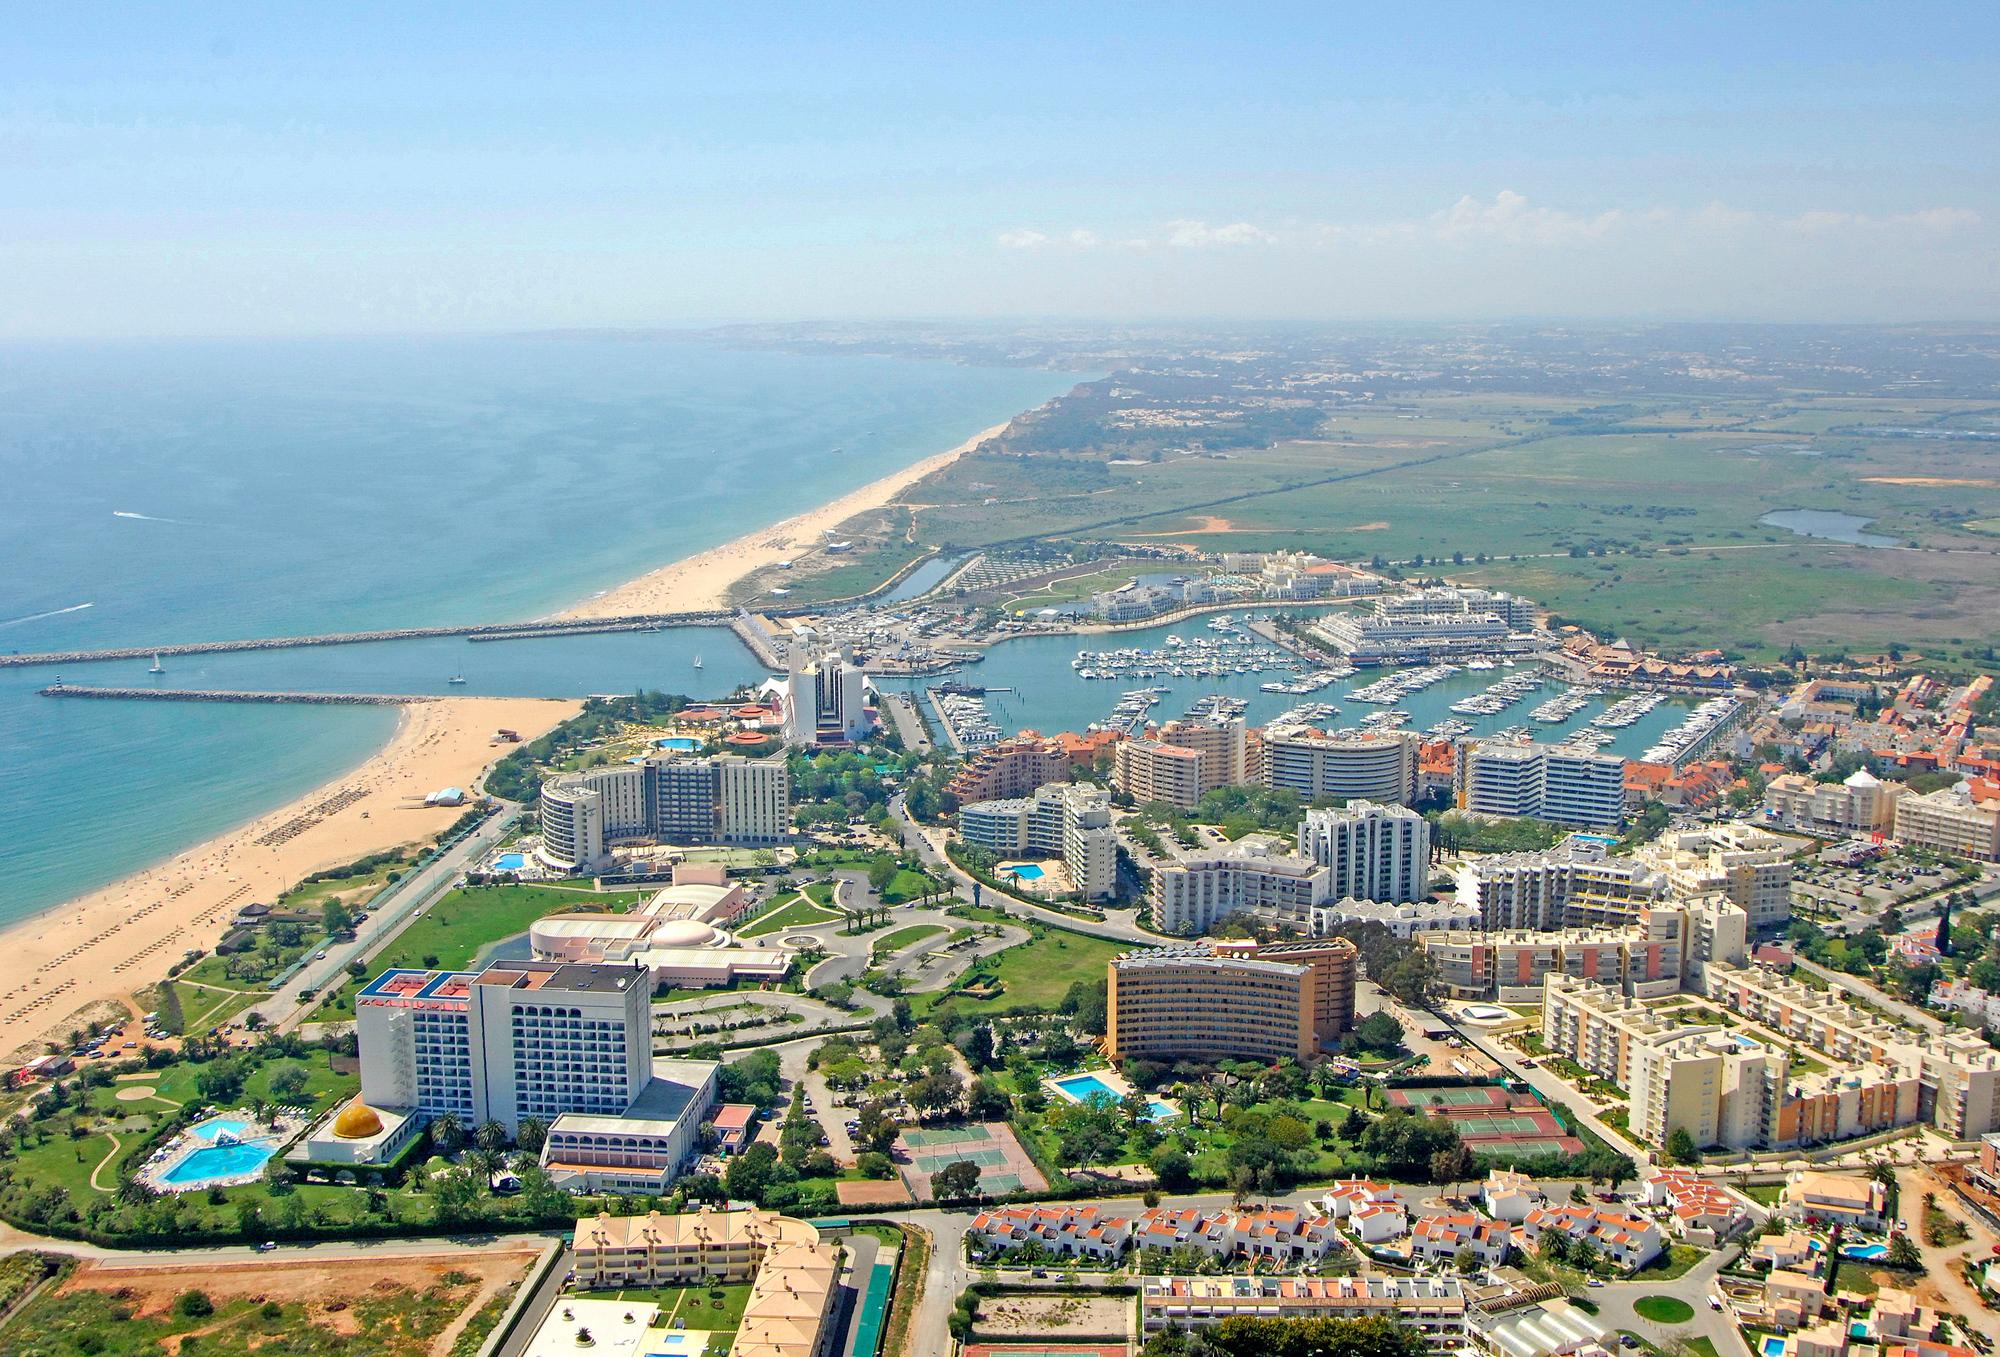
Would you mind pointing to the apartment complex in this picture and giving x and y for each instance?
(1066, 820)
(1406, 629)
(1230, 998)
(1404, 920)
(1649, 959)
(1577, 884)
(1434, 1307)
(1863, 804)
(1726, 1087)
(1748, 865)
(1371, 852)
(568, 1044)
(1343, 765)
(793, 1273)
(1281, 1235)
(1949, 820)
(724, 798)
(1012, 768)
(1191, 896)
(1546, 782)
(1185, 761)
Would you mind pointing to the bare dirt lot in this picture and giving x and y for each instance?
(1072, 1318)
(328, 1289)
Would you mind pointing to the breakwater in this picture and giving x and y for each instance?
(486, 631)
(225, 695)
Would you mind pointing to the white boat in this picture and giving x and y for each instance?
(456, 679)
(697, 661)
(157, 668)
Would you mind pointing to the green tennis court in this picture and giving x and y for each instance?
(1449, 1097)
(874, 1309)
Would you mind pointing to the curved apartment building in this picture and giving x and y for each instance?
(1351, 766)
(1230, 999)
(721, 799)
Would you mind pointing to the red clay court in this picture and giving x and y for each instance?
(1046, 1350)
(1492, 1120)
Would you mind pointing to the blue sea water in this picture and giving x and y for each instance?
(191, 491)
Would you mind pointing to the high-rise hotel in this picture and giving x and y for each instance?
(722, 799)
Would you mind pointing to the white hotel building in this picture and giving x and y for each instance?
(569, 1044)
(1546, 782)
(1063, 819)
(1372, 852)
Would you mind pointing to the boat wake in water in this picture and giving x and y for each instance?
(149, 518)
(53, 612)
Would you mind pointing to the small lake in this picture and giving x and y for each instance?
(1830, 524)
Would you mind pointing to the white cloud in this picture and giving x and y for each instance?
(1508, 218)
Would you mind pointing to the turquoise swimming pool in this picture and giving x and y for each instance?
(213, 1162)
(1085, 1086)
(1868, 1251)
(1027, 871)
(1772, 1346)
(232, 1127)
(510, 862)
(682, 742)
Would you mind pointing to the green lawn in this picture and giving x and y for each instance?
(1765, 1194)
(1034, 974)
(797, 914)
(717, 1309)
(1663, 1309)
(903, 937)
(455, 929)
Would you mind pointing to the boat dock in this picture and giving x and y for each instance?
(227, 695)
(486, 631)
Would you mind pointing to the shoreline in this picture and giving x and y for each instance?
(702, 581)
(98, 947)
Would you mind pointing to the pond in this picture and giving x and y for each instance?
(1830, 524)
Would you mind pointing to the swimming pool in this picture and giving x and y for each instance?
(677, 1344)
(1772, 1346)
(678, 742)
(213, 1162)
(1868, 1251)
(214, 1127)
(510, 862)
(1085, 1086)
(1027, 871)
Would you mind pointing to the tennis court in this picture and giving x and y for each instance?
(1004, 1166)
(1479, 1096)
(1043, 1350)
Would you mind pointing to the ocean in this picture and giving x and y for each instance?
(190, 491)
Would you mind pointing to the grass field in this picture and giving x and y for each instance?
(455, 929)
(903, 937)
(1035, 974)
(1663, 1309)
(1523, 480)
(799, 913)
(718, 1309)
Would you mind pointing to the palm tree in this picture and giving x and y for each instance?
(447, 1133)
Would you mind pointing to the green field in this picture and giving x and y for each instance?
(1035, 974)
(1663, 1309)
(903, 937)
(456, 928)
(1669, 488)
(799, 913)
(717, 1309)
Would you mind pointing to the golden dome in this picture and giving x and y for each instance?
(357, 1121)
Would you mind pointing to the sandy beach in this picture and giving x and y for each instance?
(703, 580)
(106, 944)
(103, 946)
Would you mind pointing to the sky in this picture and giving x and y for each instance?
(208, 169)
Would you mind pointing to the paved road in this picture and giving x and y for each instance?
(1615, 1299)
(285, 1009)
(902, 709)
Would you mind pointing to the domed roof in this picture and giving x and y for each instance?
(682, 933)
(357, 1121)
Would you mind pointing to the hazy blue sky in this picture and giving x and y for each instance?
(341, 167)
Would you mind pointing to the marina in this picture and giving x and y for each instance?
(1697, 730)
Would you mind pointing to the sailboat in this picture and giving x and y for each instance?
(157, 668)
(456, 679)
(697, 661)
